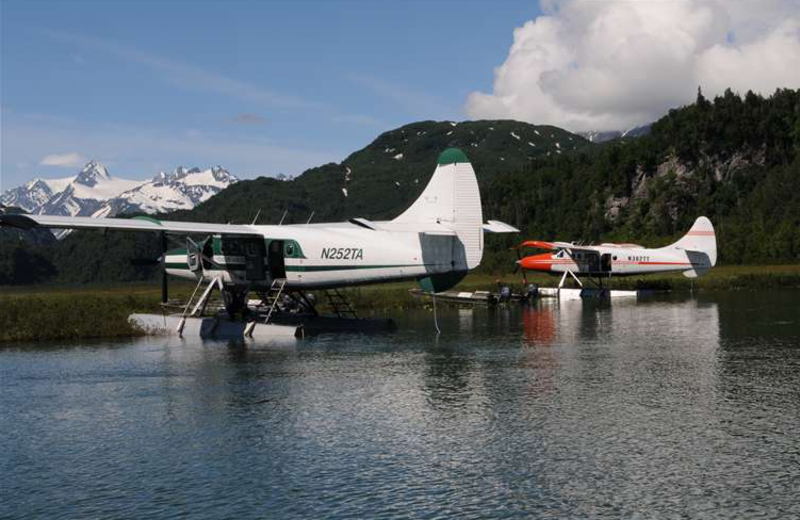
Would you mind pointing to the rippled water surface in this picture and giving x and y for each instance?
(670, 407)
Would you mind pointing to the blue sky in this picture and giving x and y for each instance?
(259, 87)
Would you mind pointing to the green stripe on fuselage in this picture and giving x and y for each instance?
(304, 268)
(307, 268)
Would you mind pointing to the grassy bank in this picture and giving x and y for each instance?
(35, 314)
(53, 313)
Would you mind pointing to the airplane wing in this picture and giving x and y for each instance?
(539, 244)
(123, 224)
(555, 246)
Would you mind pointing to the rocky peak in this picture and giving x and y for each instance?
(180, 173)
(92, 173)
(222, 175)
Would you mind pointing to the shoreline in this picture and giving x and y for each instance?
(29, 314)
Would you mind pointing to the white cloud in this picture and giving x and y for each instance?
(63, 160)
(606, 65)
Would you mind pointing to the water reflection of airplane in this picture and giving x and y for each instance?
(693, 255)
(572, 337)
(572, 322)
(539, 325)
(564, 321)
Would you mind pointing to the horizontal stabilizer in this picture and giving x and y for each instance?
(495, 226)
(701, 263)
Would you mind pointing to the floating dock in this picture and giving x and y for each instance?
(489, 298)
(460, 297)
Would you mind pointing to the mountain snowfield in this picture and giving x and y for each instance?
(182, 189)
(95, 192)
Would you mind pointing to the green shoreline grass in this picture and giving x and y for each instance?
(29, 314)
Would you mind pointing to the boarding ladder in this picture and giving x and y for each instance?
(273, 296)
(200, 306)
(339, 304)
(270, 299)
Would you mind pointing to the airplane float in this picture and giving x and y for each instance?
(436, 241)
(693, 255)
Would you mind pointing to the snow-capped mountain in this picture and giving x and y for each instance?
(33, 194)
(95, 192)
(86, 192)
(182, 189)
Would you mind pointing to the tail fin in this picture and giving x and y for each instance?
(452, 199)
(700, 244)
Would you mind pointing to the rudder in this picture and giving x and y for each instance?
(452, 199)
(700, 244)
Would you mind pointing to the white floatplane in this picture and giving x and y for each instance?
(693, 255)
(436, 241)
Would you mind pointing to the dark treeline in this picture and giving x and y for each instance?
(734, 159)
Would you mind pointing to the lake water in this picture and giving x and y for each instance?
(671, 407)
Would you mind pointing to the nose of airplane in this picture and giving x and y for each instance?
(537, 262)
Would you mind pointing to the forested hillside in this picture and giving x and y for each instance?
(382, 179)
(733, 159)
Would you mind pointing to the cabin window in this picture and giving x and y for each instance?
(615, 258)
(289, 249)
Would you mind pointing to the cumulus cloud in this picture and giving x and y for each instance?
(612, 65)
(63, 160)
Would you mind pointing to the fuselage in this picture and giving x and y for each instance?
(609, 260)
(320, 256)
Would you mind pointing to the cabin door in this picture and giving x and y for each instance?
(254, 260)
(277, 267)
(590, 263)
(605, 263)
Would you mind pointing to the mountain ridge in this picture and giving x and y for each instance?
(93, 191)
(384, 177)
